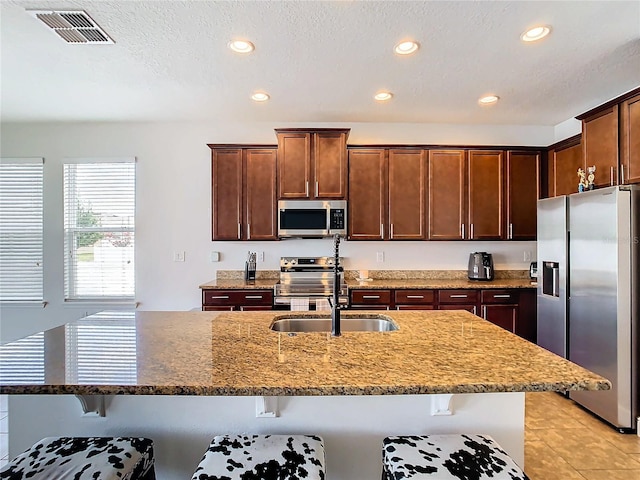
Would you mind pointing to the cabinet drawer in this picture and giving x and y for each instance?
(254, 297)
(458, 296)
(419, 297)
(370, 297)
(500, 296)
(237, 297)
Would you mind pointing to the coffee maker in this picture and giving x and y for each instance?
(480, 266)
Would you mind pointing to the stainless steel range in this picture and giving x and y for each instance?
(307, 277)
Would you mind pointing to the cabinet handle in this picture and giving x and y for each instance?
(611, 180)
(415, 296)
(248, 231)
(317, 188)
(369, 297)
(510, 231)
(502, 296)
(391, 231)
(471, 237)
(462, 230)
(382, 231)
(239, 231)
(220, 297)
(459, 296)
(306, 188)
(621, 174)
(484, 312)
(253, 297)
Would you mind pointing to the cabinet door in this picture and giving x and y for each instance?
(504, 316)
(367, 187)
(226, 194)
(330, 165)
(446, 195)
(630, 140)
(485, 207)
(260, 197)
(563, 171)
(294, 165)
(600, 144)
(407, 194)
(522, 194)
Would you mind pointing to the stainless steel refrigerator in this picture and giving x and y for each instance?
(588, 292)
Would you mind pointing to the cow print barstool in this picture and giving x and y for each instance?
(84, 458)
(263, 457)
(447, 457)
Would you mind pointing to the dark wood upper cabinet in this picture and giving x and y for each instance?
(312, 163)
(522, 194)
(294, 164)
(243, 193)
(630, 140)
(226, 194)
(260, 195)
(600, 145)
(485, 197)
(446, 190)
(563, 160)
(367, 194)
(407, 194)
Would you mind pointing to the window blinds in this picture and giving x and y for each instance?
(99, 226)
(21, 219)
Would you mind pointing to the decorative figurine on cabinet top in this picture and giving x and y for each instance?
(582, 184)
(591, 177)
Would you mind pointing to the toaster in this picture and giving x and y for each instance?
(480, 266)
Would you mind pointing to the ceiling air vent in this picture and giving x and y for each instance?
(73, 26)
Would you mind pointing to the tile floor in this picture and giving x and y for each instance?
(564, 441)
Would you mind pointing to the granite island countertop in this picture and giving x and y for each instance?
(236, 353)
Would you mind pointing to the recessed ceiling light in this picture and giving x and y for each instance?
(241, 46)
(260, 97)
(488, 100)
(535, 33)
(406, 48)
(383, 96)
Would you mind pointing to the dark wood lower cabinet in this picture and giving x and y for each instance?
(512, 309)
(243, 300)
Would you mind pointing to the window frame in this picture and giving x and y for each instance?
(38, 284)
(69, 233)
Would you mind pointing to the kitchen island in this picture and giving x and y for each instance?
(187, 376)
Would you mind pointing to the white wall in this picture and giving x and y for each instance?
(174, 207)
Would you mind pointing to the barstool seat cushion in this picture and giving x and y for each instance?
(80, 458)
(447, 457)
(263, 457)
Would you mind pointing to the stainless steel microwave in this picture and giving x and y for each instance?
(312, 218)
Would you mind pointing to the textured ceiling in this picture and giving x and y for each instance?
(320, 61)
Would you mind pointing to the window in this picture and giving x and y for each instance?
(99, 228)
(21, 216)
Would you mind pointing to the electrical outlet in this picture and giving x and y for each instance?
(527, 255)
(215, 256)
(178, 256)
(261, 256)
(379, 257)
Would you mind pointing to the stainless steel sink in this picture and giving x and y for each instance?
(370, 323)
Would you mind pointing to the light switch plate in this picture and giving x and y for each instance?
(215, 256)
(178, 256)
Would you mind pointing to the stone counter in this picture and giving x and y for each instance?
(381, 283)
(236, 354)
